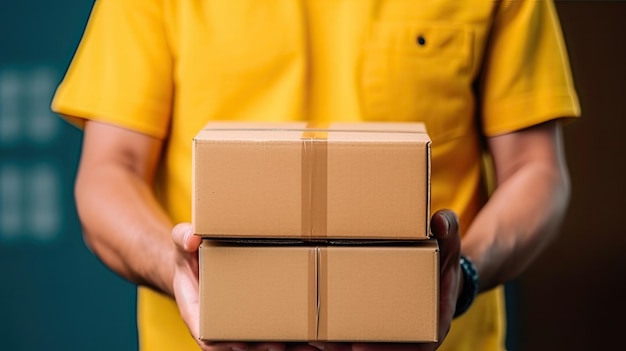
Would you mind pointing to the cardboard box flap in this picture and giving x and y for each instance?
(390, 127)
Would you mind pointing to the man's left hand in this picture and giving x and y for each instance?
(445, 228)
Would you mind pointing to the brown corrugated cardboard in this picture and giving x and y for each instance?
(323, 293)
(293, 180)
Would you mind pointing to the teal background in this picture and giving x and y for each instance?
(54, 294)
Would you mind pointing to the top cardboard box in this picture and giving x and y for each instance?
(309, 181)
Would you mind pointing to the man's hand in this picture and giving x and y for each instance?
(186, 288)
(445, 228)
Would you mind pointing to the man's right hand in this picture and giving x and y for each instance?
(186, 293)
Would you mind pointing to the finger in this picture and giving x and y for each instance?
(445, 228)
(332, 346)
(318, 345)
(224, 346)
(185, 282)
(312, 346)
(393, 347)
(183, 237)
(444, 223)
(187, 298)
(267, 346)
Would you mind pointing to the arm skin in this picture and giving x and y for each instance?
(122, 222)
(525, 211)
(517, 223)
(124, 225)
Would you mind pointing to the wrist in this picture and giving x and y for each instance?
(469, 286)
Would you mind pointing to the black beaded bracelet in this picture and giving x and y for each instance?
(470, 286)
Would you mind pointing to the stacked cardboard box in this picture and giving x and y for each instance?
(315, 232)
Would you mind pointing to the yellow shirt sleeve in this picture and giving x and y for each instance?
(526, 76)
(132, 88)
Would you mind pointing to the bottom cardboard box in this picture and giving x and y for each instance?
(319, 293)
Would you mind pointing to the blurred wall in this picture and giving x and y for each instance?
(54, 294)
(572, 298)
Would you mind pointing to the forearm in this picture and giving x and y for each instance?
(521, 218)
(125, 227)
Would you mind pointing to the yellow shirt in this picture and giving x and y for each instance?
(467, 68)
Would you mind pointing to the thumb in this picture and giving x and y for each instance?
(444, 223)
(183, 237)
(444, 226)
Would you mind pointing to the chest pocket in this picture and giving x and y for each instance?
(419, 72)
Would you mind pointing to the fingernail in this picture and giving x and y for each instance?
(319, 346)
(186, 237)
(446, 221)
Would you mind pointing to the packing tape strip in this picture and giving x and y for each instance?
(313, 298)
(317, 294)
(314, 180)
(322, 295)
